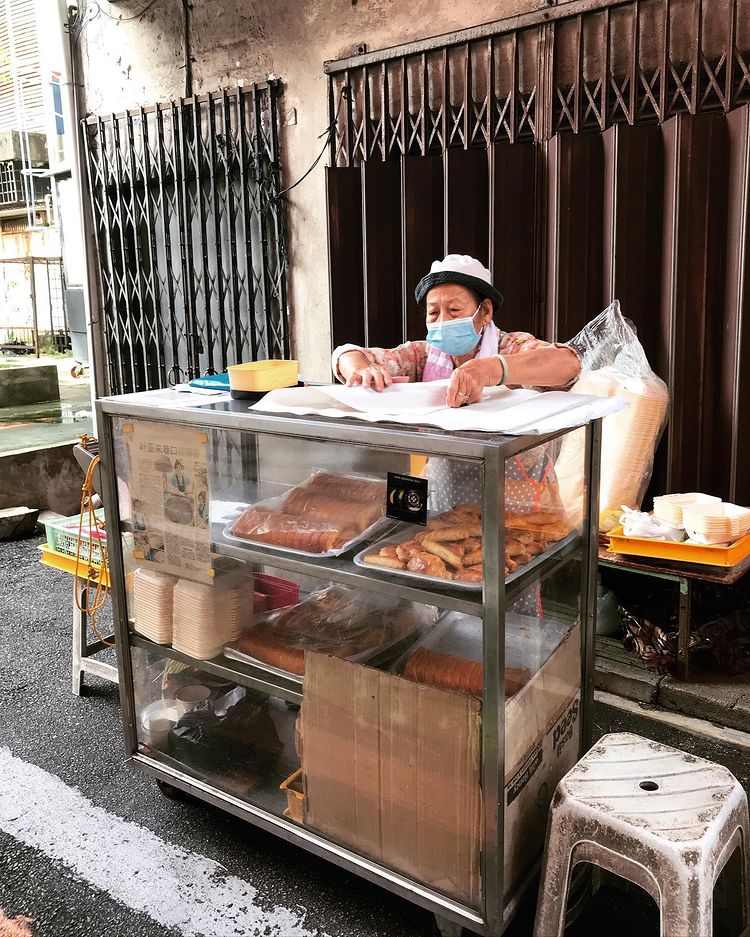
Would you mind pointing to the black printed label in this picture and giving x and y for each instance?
(521, 778)
(406, 498)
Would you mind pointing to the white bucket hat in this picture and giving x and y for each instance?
(463, 270)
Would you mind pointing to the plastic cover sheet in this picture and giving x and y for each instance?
(615, 365)
(336, 620)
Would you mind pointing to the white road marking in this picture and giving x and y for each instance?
(174, 887)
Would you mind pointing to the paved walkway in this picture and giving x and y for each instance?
(39, 425)
(89, 847)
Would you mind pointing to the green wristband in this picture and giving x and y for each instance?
(504, 363)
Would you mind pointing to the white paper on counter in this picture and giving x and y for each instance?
(410, 399)
(501, 411)
(171, 398)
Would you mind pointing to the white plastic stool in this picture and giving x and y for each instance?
(656, 816)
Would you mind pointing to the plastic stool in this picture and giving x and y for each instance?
(656, 816)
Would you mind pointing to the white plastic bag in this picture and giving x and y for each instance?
(614, 364)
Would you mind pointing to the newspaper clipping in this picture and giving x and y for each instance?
(169, 498)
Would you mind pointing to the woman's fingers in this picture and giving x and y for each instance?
(454, 387)
(375, 378)
(463, 389)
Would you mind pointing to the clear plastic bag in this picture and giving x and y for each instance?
(335, 620)
(614, 364)
(233, 731)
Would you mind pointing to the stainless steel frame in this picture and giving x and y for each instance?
(491, 452)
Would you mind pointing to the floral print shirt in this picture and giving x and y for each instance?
(409, 359)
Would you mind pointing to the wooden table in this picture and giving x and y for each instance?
(684, 574)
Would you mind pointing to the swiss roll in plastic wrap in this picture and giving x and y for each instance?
(614, 364)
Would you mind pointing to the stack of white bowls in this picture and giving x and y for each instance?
(670, 508)
(716, 523)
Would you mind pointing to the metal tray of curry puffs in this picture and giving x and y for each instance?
(384, 557)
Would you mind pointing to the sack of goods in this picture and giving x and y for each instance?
(614, 364)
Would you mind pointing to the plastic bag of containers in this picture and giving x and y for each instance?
(614, 364)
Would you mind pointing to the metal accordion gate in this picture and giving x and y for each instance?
(586, 152)
(188, 218)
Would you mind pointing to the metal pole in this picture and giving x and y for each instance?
(493, 703)
(33, 307)
(589, 558)
(49, 303)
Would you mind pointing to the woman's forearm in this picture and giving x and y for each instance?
(351, 361)
(542, 367)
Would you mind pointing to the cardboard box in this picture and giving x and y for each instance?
(542, 728)
(529, 790)
(392, 770)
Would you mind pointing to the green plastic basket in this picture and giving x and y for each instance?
(62, 536)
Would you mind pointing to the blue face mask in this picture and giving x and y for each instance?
(456, 337)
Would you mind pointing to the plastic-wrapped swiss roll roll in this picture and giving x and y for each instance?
(629, 441)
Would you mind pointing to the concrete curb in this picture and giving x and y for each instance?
(723, 702)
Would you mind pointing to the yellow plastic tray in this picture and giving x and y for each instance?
(681, 552)
(260, 376)
(67, 564)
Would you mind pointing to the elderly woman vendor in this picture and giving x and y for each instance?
(462, 344)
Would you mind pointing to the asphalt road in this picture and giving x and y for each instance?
(79, 741)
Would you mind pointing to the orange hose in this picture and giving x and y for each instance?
(95, 527)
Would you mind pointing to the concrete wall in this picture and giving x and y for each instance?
(33, 384)
(140, 61)
(43, 478)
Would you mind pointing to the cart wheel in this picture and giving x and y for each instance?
(171, 792)
(447, 928)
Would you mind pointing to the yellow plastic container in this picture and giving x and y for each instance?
(261, 376)
(707, 555)
(295, 797)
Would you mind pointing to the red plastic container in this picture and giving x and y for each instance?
(272, 592)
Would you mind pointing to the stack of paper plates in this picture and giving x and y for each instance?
(716, 523)
(670, 508)
(235, 604)
(208, 617)
(152, 605)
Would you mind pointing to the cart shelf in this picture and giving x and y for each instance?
(341, 569)
(255, 676)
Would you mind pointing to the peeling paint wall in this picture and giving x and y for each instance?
(139, 61)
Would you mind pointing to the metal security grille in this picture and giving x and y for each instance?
(585, 152)
(189, 228)
(554, 70)
(8, 183)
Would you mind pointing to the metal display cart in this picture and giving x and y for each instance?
(541, 626)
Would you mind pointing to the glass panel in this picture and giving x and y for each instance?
(232, 737)
(267, 563)
(542, 645)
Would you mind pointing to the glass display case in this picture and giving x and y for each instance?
(373, 641)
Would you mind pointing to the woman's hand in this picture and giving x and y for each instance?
(469, 380)
(374, 376)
